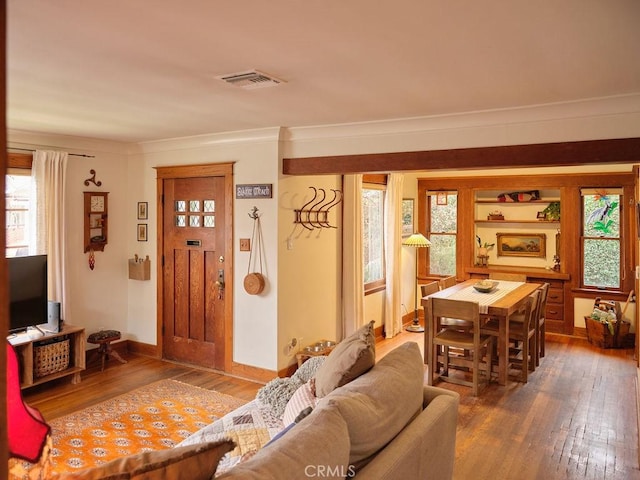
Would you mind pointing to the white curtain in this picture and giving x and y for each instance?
(352, 272)
(48, 225)
(393, 252)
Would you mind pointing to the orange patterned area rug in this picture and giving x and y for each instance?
(154, 417)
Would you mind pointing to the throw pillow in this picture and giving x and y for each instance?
(352, 357)
(309, 369)
(378, 405)
(277, 393)
(303, 398)
(189, 463)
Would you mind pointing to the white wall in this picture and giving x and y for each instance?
(95, 298)
(256, 160)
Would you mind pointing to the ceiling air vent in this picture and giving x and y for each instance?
(251, 79)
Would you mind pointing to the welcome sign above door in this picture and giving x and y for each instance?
(260, 190)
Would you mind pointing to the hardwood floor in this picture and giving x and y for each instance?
(575, 418)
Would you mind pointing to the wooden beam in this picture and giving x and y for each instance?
(620, 150)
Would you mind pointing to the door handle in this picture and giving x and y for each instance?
(220, 284)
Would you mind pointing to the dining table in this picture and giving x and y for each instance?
(505, 299)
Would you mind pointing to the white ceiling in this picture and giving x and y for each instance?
(141, 70)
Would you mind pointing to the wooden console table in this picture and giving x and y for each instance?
(25, 346)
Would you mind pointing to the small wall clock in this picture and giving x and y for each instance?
(96, 221)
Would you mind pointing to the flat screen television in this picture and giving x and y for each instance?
(27, 291)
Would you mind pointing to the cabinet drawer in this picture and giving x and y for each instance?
(554, 312)
(553, 283)
(555, 295)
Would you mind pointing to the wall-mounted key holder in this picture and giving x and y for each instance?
(140, 269)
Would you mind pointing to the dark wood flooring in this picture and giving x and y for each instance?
(576, 418)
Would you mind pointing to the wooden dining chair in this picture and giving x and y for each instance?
(511, 277)
(542, 328)
(447, 282)
(522, 333)
(478, 346)
(429, 288)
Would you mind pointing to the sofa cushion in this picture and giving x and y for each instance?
(303, 398)
(377, 405)
(319, 442)
(189, 463)
(349, 359)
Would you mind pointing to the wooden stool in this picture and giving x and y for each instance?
(104, 338)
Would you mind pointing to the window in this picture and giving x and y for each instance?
(601, 238)
(442, 230)
(373, 236)
(18, 194)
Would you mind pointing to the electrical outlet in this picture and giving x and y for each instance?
(245, 244)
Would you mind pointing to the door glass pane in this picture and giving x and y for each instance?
(194, 205)
(209, 221)
(209, 206)
(181, 206)
(181, 220)
(194, 221)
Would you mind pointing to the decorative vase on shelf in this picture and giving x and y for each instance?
(483, 256)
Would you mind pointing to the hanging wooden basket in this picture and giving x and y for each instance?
(254, 283)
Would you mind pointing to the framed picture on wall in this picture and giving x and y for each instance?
(522, 244)
(142, 232)
(142, 210)
(441, 198)
(407, 216)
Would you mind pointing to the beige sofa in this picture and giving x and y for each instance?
(373, 421)
(370, 428)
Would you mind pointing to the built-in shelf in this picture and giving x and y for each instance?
(541, 222)
(496, 202)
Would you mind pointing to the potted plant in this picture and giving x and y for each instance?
(483, 248)
(552, 211)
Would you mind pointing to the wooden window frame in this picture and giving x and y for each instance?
(376, 181)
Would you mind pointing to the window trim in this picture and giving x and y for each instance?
(427, 230)
(376, 182)
(620, 239)
(17, 165)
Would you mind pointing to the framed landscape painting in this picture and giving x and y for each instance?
(522, 244)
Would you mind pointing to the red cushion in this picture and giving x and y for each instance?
(27, 429)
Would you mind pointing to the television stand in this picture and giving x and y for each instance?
(26, 346)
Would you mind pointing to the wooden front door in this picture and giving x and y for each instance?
(196, 297)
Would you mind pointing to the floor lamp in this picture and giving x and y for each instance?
(417, 240)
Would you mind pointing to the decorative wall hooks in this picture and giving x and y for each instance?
(315, 213)
(254, 213)
(92, 179)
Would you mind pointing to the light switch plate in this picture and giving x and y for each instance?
(245, 244)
